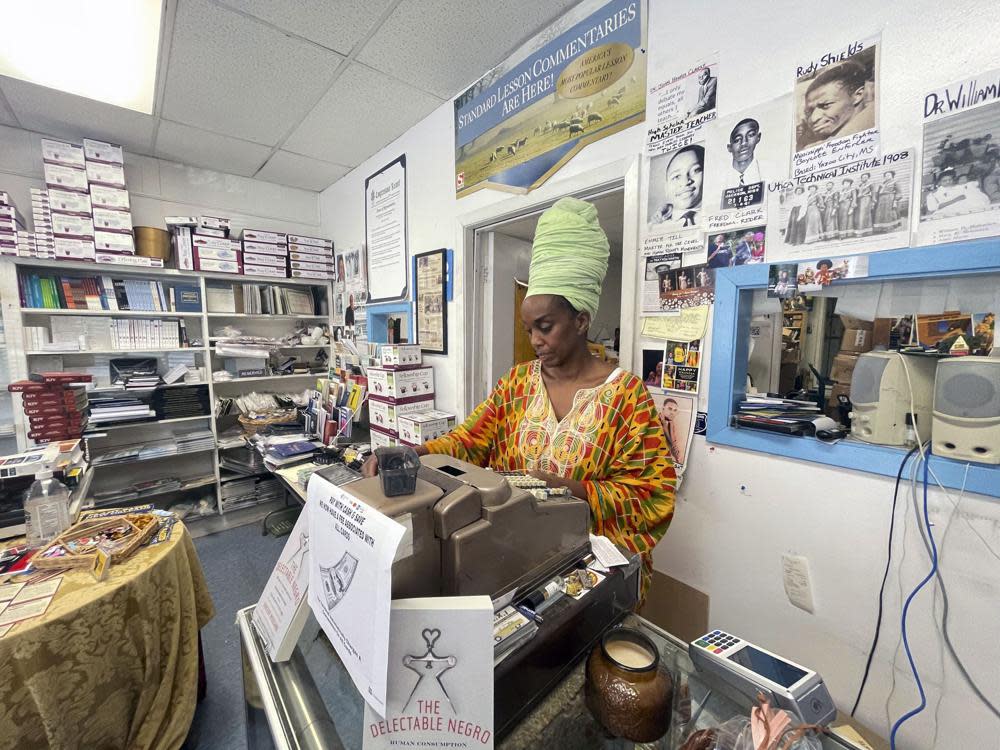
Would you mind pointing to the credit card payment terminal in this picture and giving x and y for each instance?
(752, 669)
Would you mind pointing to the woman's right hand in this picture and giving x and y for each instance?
(370, 467)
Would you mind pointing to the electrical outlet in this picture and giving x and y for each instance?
(798, 584)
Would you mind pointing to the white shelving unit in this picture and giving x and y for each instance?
(199, 327)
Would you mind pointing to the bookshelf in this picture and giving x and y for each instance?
(199, 327)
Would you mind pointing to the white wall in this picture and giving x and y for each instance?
(160, 188)
(504, 253)
(727, 542)
(609, 312)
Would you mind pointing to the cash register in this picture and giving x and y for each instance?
(474, 532)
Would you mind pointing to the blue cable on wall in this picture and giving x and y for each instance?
(906, 643)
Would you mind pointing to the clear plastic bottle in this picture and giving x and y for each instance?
(46, 509)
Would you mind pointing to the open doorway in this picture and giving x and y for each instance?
(503, 253)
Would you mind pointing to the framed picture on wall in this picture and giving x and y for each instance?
(430, 294)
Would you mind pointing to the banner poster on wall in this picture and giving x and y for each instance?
(749, 150)
(853, 208)
(960, 174)
(837, 96)
(678, 106)
(580, 80)
(677, 415)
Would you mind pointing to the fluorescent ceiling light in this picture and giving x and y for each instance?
(101, 49)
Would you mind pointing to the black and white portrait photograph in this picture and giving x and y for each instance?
(679, 105)
(837, 100)
(749, 149)
(836, 107)
(676, 189)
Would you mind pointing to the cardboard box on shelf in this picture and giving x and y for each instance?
(857, 336)
(218, 266)
(112, 175)
(115, 242)
(69, 202)
(262, 259)
(384, 415)
(265, 248)
(400, 384)
(127, 259)
(112, 220)
(400, 355)
(60, 152)
(276, 272)
(260, 235)
(104, 196)
(381, 439)
(109, 153)
(67, 178)
(417, 429)
(843, 367)
(300, 239)
(217, 253)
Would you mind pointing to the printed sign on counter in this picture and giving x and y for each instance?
(352, 547)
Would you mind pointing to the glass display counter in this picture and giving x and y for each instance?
(309, 702)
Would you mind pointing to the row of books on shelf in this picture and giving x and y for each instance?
(53, 292)
(259, 299)
(139, 334)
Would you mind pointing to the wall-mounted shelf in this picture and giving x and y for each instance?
(66, 352)
(265, 316)
(267, 378)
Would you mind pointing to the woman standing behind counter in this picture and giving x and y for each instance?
(568, 417)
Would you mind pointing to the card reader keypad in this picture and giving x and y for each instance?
(718, 642)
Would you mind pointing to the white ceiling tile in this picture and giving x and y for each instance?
(74, 117)
(362, 112)
(442, 46)
(296, 170)
(188, 145)
(338, 25)
(233, 75)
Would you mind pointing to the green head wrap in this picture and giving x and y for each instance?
(569, 256)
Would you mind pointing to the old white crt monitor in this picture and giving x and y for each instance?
(880, 397)
(967, 409)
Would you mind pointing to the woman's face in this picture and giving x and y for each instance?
(684, 178)
(555, 333)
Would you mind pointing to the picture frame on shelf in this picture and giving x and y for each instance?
(430, 300)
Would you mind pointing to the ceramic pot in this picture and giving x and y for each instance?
(627, 690)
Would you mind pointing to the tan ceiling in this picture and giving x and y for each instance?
(296, 92)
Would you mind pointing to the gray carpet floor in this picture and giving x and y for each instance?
(237, 564)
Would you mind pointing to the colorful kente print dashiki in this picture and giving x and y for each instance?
(610, 440)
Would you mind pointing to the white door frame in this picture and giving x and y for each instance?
(622, 174)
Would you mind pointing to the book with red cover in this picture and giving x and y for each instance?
(31, 386)
(60, 377)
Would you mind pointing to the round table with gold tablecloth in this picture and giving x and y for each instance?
(111, 664)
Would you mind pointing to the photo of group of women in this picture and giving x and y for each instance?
(736, 248)
(860, 210)
(669, 288)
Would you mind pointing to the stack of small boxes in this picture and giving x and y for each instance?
(42, 243)
(310, 257)
(265, 253)
(55, 408)
(212, 249)
(398, 392)
(12, 233)
(66, 174)
(110, 204)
